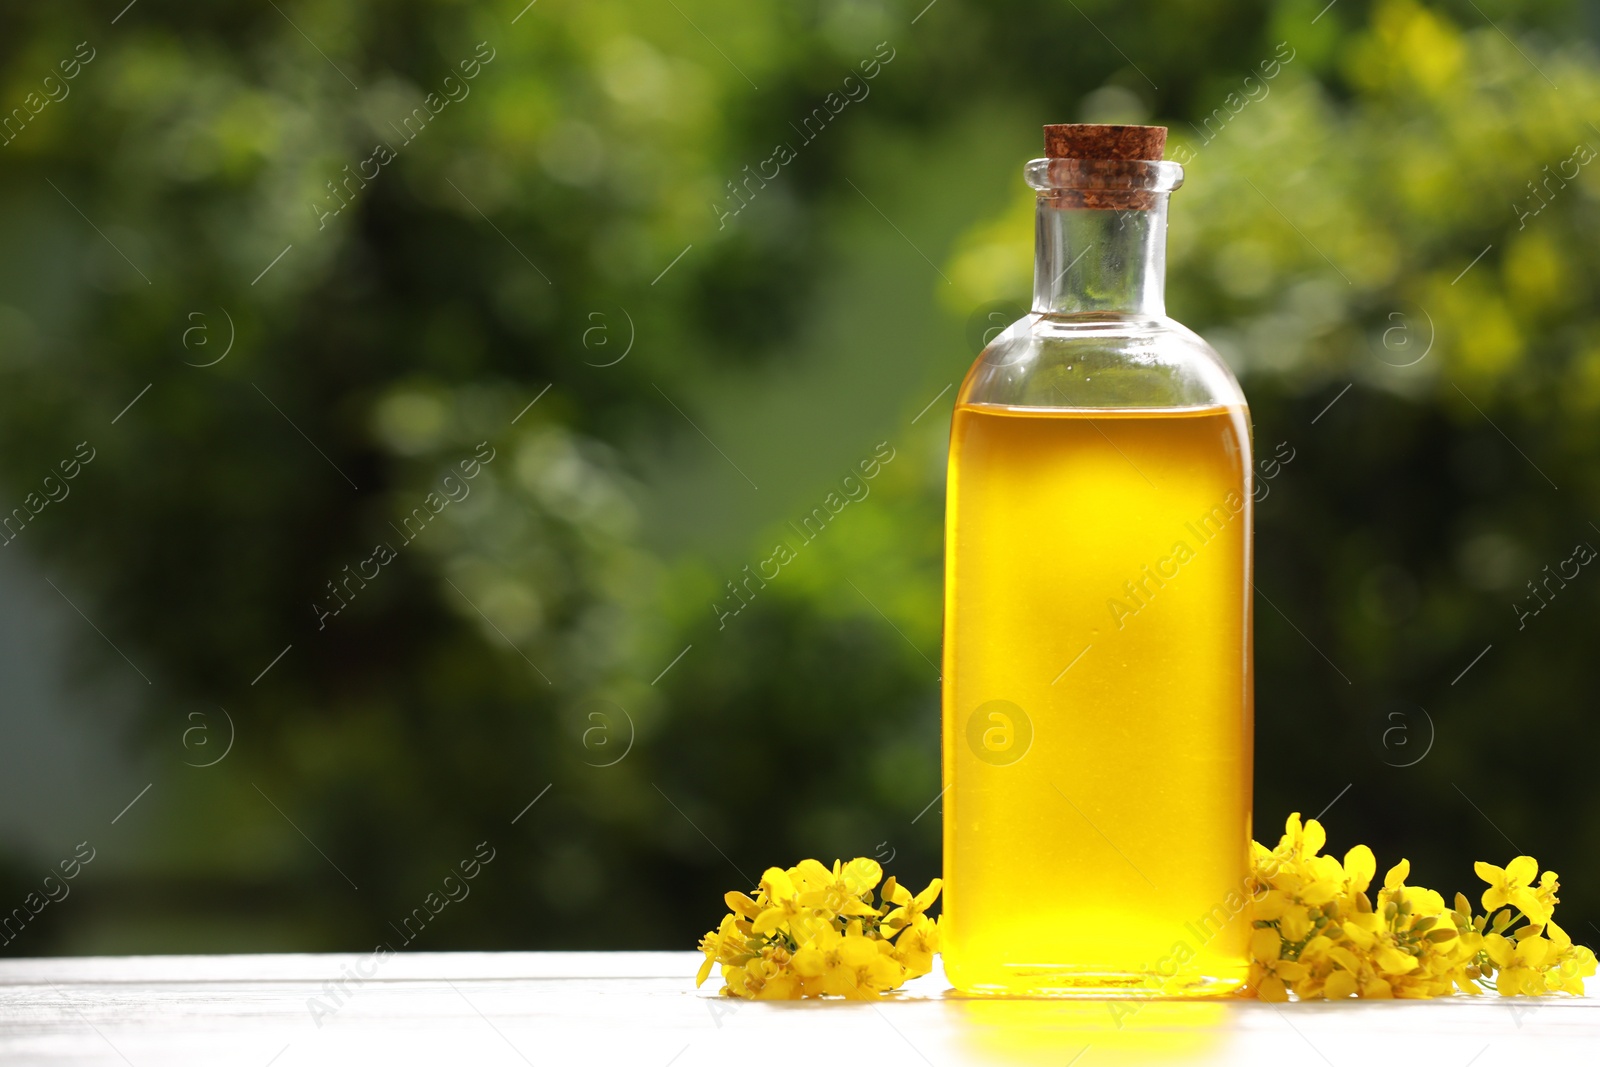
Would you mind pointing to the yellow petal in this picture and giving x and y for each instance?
(1265, 944)
(1525, 901)
(861, 874)
(1359, 867)
(1394, 961)
(1295, 924)
(857, 951)
(1272, 990)
(1308, 988)
(739, 902)
(778, 884)
(1499, 949)
(839, 982)
(813, 874)
(809, 963)
(1291, 970)
(1531, 952)
(1345, 958)
(1270, 906)
(1397, 874)
(1522, 870)
(884, 973)
(1340, 984)
(780, 987)
(768, 921)
(1319, 892)
(856, 991)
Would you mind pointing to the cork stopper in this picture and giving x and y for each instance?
(1085, 140)
(1104, 168)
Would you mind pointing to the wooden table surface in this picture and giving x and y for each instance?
(642, 1009)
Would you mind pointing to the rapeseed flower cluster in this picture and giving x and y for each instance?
(1319, 935)
(810, 931)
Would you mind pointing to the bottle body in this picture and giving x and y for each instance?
(1097, 703)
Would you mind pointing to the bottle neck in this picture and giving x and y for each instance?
(1089, 260)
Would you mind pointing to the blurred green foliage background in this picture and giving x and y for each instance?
(1375, 227)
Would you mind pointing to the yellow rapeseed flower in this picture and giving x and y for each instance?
(1271, 972)
(813, 931)
(1319, 935)
(908, 908)
(816, 931)
(1513, 885)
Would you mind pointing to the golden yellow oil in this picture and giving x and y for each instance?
(1098, 716)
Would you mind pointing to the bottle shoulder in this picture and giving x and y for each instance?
(1100, 361)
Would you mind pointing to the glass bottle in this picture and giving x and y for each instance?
(1098, 708)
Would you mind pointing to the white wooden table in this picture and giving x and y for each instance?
(642, 1009)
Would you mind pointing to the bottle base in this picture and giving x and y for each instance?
(1062, 982)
